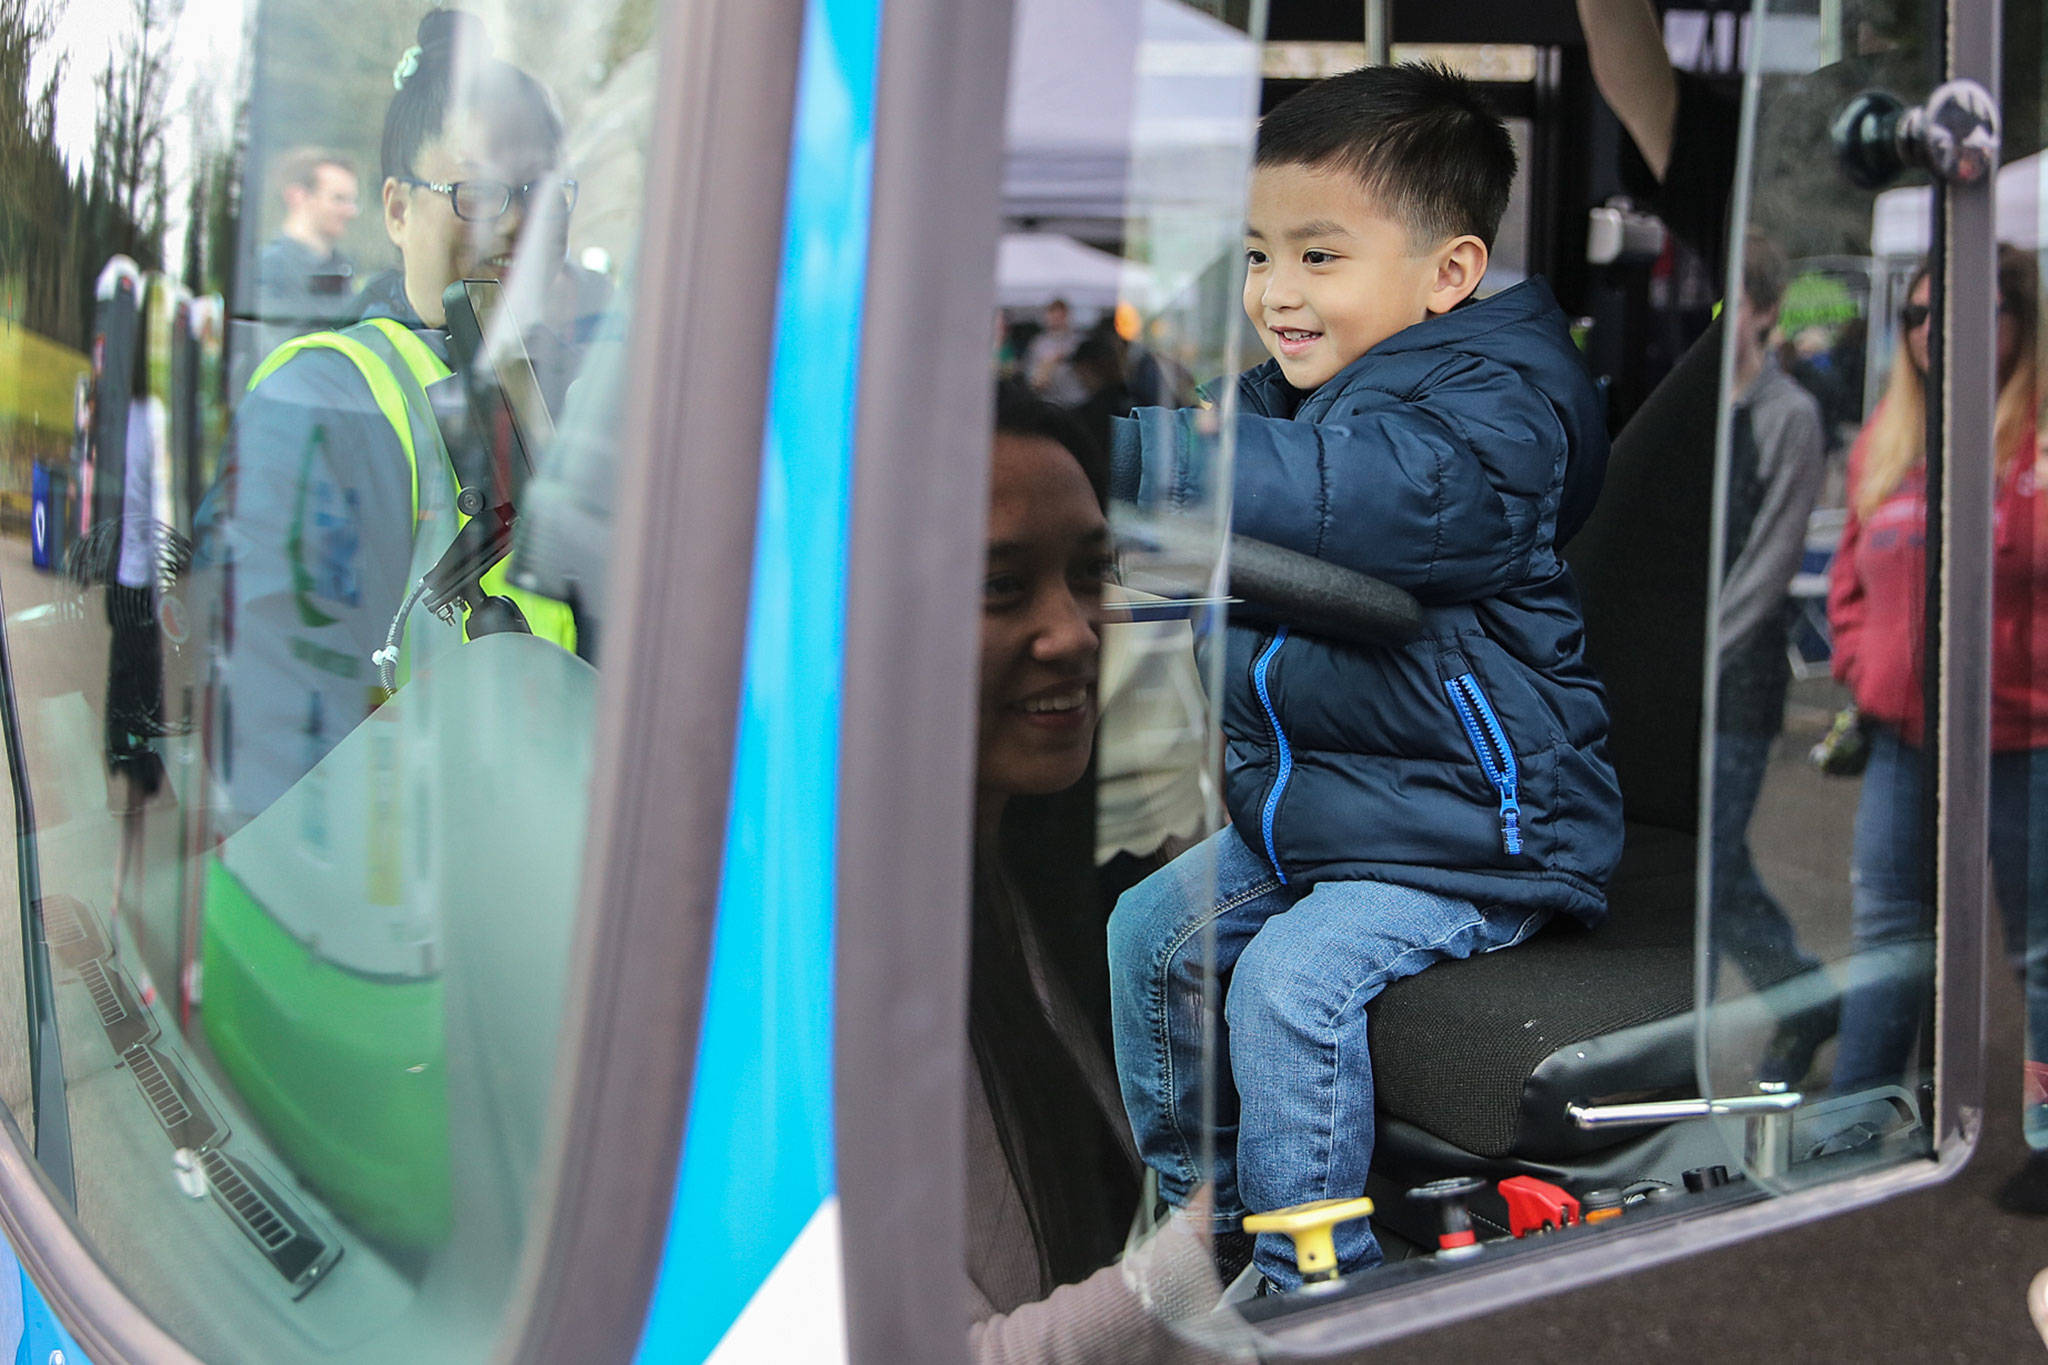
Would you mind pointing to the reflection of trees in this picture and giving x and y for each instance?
(59, 224)
(213, 203)
(39, 280)
(131, 129)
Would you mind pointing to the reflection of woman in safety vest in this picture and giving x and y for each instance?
(321, 943)
(339, 492)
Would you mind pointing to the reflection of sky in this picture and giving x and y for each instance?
(205, 41)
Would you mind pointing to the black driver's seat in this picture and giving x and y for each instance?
(1481, 1056)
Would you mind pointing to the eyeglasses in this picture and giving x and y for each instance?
(482, 201)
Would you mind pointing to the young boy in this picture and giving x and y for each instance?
(1390, 807)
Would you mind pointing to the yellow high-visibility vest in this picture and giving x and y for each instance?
(367, 346)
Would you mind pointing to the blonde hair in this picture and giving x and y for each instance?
(1898, 429)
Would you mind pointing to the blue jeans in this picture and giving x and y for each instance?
(1882, 1010)
(1289, 1089)
(1749, 925)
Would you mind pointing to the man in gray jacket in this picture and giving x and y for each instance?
(1775, 472)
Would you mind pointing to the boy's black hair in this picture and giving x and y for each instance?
(1418, 136)
(452, 65)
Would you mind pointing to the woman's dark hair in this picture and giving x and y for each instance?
(1072, 1169)
(1020, 412)
(1036, 885)
(452, 69)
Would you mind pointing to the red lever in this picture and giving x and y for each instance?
(1537, 1205)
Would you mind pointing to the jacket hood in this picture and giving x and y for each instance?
(1528, 301)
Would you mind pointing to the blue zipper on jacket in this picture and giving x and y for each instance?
(1279, 738)
(1496, 756)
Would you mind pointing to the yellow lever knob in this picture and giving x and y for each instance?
(1315, 1254)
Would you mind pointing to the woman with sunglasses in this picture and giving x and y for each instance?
(1876, 606)
(338, 491)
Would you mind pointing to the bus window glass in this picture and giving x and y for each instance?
(307, 305)
(1127, 138)
(1818, 927)
(1344, 1018)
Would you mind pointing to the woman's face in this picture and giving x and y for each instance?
(1048, 559)
(437, 247)
(1916, 337)
(2008, 341)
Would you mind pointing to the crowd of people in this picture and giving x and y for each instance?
(1098, 372)
(1680, 159)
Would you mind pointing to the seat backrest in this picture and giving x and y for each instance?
(1642, 564)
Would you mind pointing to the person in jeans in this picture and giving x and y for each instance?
(1876, 611)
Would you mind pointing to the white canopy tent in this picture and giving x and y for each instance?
(1126, 111)
(1901, 218)
(1033, 268)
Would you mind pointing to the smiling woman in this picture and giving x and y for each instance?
(1051, 1168)
(1048, 561)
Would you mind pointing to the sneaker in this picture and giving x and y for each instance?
(2026, 1190)
(1795, 1041)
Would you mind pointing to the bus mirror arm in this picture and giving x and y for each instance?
(484, 539)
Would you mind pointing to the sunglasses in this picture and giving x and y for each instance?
(1916, 314)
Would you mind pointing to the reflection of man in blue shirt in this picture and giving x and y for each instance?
(303, 279)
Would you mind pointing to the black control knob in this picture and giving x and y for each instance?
(1866, 142)
(1705, 1178)
(1452, 1198)
(1955, 136)
(1597, 1206)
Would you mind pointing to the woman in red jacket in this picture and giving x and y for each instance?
(1876, 608)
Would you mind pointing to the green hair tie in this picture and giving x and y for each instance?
(407, 64)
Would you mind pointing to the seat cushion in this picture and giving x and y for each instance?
(1485, 1052)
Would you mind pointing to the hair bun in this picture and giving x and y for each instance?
(444, 30)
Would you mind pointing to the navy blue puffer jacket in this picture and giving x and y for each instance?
(1452, 459)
